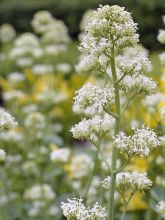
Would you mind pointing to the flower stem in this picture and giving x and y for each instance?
(91, 175)
(116, 131)
(124, 212)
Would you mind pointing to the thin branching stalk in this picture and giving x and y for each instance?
(116, 131)
(91, 174)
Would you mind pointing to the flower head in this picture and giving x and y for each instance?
(91, 128)
(133, 181)
(140, 144)
(74, 209)
(110, 28)
(91, 99)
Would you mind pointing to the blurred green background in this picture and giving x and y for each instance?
(147, 13)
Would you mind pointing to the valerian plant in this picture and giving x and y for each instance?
(109, 32)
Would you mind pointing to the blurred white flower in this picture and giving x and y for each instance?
(6, 120)
(7, 33)
(2, 155)
(39, 192)
(60, 155)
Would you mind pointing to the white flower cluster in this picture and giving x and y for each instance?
(51, 29)
(12, 95)
(133, 181)
(38, 206)
(86, 19)
(131, 69)
(138, 83)
(162, 57)
(27, 40)
(135, 63)
(91, 128)
(57, 34)
(160, 209)
(48, 95)
(39, 192)
(140, 144)
(161, 36)
(41, 69)
(42, 21)
(110, 27)
(91, 99)
(54, 49)
(80, 166)
(2, 155)
(35, 120)
(26, 48)
(74, 209)
(6, 120)
(7, 33)
(63, 67)
(15, 77)
(151, 101)
(60, 155)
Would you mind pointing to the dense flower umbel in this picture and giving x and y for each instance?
(133, 181)
(75, 210)
(134, 63)
(109, 26)
(91, 128)
(138, 84)
(6, 120)
(91, 99)
(140, 144)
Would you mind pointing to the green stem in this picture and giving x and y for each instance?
(124, 212)
(116, 131)
(91, 175)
